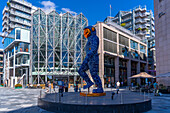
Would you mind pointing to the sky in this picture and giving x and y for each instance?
(94, 10)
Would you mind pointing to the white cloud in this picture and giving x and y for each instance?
(68, 10)
(48, 6)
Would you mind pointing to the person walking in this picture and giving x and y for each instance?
(66, 86)
(61, 87)
(155, 85)
(117, 86)
(54, 86)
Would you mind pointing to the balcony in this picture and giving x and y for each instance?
(140, 15)
(140, 26)
(153, 34)
(5, 16)
(140, 33)
(140, 21)
(20, 15)
(5, 10)
(152, 23)
(147, 24)
(20, 8)
(23, 3)
(5, 21)
(12, 26)
(127, 25)
(142, 9)
(153, 29)
(4, 28)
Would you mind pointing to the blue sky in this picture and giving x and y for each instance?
(94, 10)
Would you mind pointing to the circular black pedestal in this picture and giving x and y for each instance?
(71, 103)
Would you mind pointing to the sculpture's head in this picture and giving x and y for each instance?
(88, 31)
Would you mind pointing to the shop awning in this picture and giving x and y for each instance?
(142, 75)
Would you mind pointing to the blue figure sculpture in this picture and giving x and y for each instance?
(91, 60)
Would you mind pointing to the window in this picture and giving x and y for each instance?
(1, 58)
(110, 47)
(18, 32)
(123, 40)
(1, 64)
(110, 35)
(142, 48)
(134, 45)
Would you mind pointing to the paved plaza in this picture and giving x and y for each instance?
(25, 101)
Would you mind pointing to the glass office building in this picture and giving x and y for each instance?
(57, 46)
(16, 57)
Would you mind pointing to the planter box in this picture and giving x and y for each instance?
(18, 87)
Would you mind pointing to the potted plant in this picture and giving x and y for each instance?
(2, 85)
(18, 86)
(139, 29)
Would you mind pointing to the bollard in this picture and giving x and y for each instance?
(121, 100)
(55, 96)
(113, 93)
(59, 97)
(86, 98)
(40, 93)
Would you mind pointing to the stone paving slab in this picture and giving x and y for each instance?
(26, 100)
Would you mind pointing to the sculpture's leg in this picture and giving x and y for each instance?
(94, 73)
(83, 74)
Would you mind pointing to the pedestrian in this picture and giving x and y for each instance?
(47, 86)
(155, 85)
(76, 86)
(54, 86)
(122, 83)
(66, 86)
(117, 86)
(61, 87)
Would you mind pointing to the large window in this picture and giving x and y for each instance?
(123, 40)
(134, 45)
(22, 59)
(18, 34)
(110, 35)
(110, 47)
(23, 47)
(142, 48)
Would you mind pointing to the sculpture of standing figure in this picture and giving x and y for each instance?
(91, 60)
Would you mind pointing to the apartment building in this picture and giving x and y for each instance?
(140, 22)
(17, 13)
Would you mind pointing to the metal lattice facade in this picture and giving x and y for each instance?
(57, 44)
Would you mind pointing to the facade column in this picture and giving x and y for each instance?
(99, 30)
(128, 72)
(14, 69)
(116, 69)
(26, 76)
(146, 67)
(138, 71)
(8, 81)
(4, 68)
